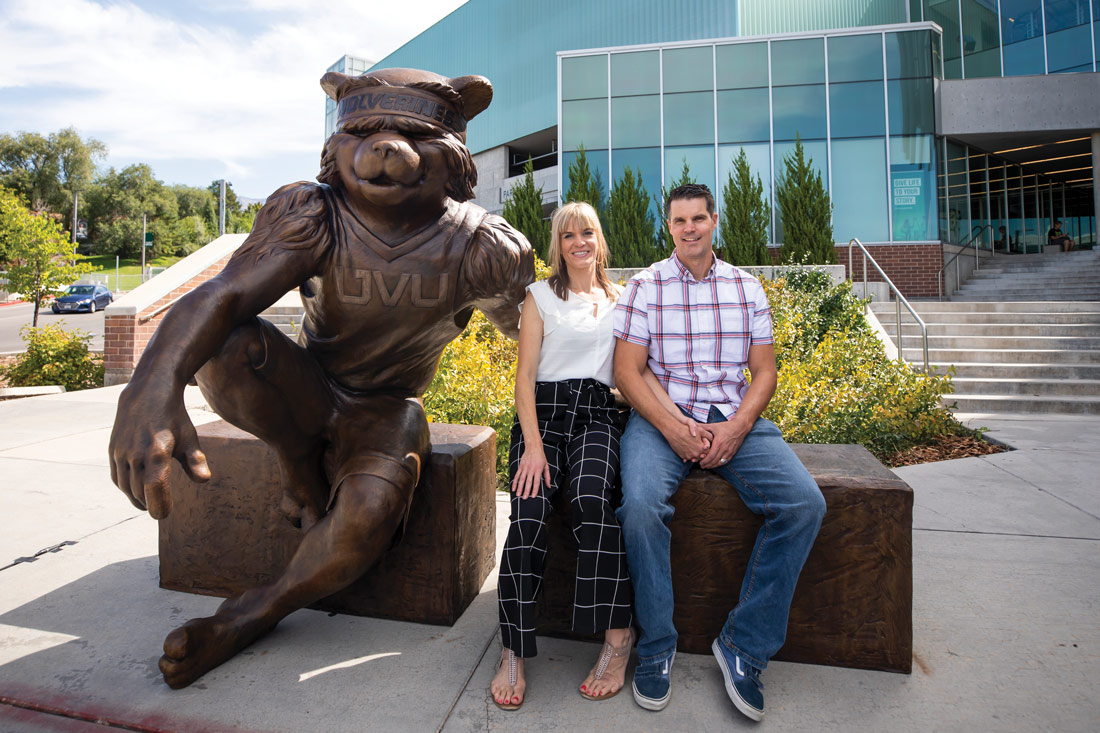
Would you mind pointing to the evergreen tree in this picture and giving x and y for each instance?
(584, 185)
(523, 210)
(663, 240)
(630, 224)
(804, 211)
(745, 217)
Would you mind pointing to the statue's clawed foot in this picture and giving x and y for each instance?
(201, 644)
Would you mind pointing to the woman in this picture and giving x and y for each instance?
(566, 436)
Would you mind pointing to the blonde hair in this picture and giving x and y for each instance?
(564, 217)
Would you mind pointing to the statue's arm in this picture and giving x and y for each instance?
(151, 426)
(498, 268)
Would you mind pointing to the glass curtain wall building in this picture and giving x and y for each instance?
(983, 38)
(861, 101)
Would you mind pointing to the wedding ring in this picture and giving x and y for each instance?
(724, 460)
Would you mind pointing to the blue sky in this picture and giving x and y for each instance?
(199, 90)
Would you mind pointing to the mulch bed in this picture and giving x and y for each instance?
(5, 362)
(946, 448)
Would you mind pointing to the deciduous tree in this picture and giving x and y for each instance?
(40, 258)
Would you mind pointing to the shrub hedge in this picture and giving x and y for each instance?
(836, 384)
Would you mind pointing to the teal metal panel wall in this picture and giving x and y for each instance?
(514, 42)
(760, 17)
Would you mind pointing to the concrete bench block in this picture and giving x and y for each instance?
(853, 603)
(227, 535)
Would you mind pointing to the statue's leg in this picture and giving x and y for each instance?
(379, 452)
(264, 383)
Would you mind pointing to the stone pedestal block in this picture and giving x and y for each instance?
(227, 535)
(853, 604)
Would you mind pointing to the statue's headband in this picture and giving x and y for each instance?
(443, 103)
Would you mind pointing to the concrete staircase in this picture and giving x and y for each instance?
(1053, 276)
(287, 314)
(1019, 357)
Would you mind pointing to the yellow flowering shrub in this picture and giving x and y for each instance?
(835, 383)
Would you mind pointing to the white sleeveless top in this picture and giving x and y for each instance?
(576, 344)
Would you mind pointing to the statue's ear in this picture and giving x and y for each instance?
(332, 81)
(476, 93)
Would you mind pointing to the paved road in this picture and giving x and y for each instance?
(14, 317)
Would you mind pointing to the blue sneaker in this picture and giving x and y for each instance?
(653, 684)
(742, 681)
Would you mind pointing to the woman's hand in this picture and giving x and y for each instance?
(533, 470)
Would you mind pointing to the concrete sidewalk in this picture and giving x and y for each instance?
(1006, 613)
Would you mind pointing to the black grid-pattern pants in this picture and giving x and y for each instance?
(580, 430)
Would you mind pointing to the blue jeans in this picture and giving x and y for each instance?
(772, 482)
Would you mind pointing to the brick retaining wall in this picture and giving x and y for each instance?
(125, 336)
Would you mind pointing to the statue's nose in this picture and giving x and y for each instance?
(385, 147)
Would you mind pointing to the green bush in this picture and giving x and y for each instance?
(836, 384)
(475, 384)
(56, 356)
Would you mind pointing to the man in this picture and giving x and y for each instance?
(1056, 237)
(698, 323)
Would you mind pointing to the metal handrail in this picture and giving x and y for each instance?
(899, 299)
(972, 238)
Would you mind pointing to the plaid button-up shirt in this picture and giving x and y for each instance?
(698, 332)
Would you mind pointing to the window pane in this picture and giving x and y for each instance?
(689, 118)
(857, 109)
(946, 14)
(799, 111)
(855, 58)
(700, 160)
(647, 162)
(912, 189)
(597, 166)
(688, 69)
(742, 65)
(798, 62)
(907, 55)
(1024, 57)
(859, 190)
(1069, 48)
(760, 161)
(1062, 14)
(635, 122)
(981, 39)
(1021, 20)
(958, 208)
(912, 107)
(584, 122)
(816, 153)
(584, 77)
(743, 115)
(979, 201)
(635, 73)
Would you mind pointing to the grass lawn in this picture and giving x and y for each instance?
(106, 264)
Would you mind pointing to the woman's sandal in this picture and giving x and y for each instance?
(606, 655)
(509, 658)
